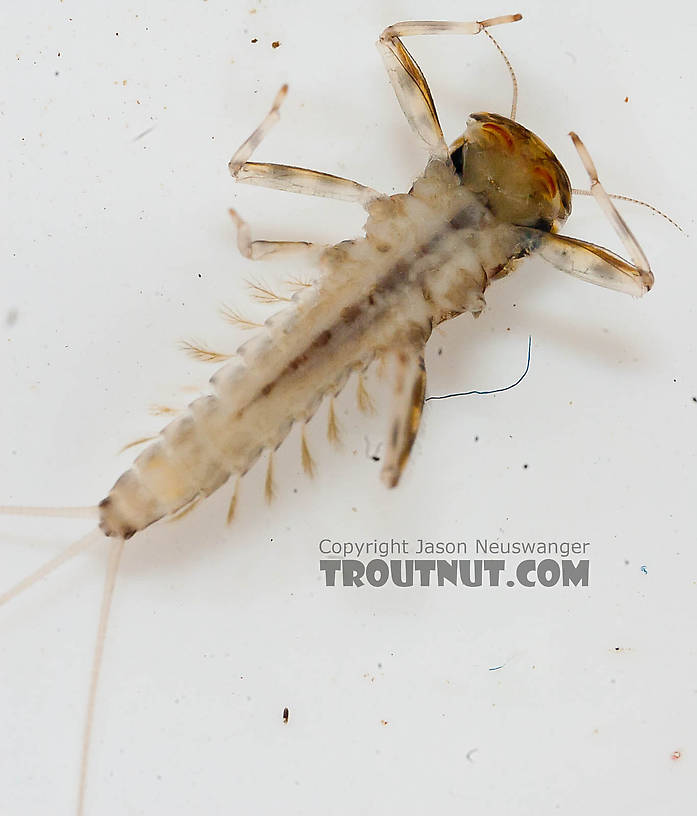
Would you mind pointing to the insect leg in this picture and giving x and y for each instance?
(256, 250)
(598, 191)
(410, 389)
(409, 83)
(594, 263)
(292, 179)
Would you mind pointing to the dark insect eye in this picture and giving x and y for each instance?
(457, 157)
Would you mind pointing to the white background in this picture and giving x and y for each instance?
(118, 246)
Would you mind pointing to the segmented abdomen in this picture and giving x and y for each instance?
(424, 255)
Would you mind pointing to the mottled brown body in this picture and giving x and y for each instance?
(426, 256)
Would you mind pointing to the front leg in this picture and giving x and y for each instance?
(591, 262)
(410, 84)
(410, 389)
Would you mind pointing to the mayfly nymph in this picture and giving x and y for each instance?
(484, 203)
(494, 197)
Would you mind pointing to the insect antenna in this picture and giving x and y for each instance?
(634, 201)
(514, 78)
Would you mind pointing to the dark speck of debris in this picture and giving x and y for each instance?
(694, 399)
(55, 73)
(285, 715)
(200, 275)
(440, 351)
(626, 99)
(275, 44)
(644, 570)
(468, 755)
(476, 439)
(255, 40)
(525, 467)
(375, 454)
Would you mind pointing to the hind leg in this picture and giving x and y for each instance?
(410, 389)
(256, 250)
